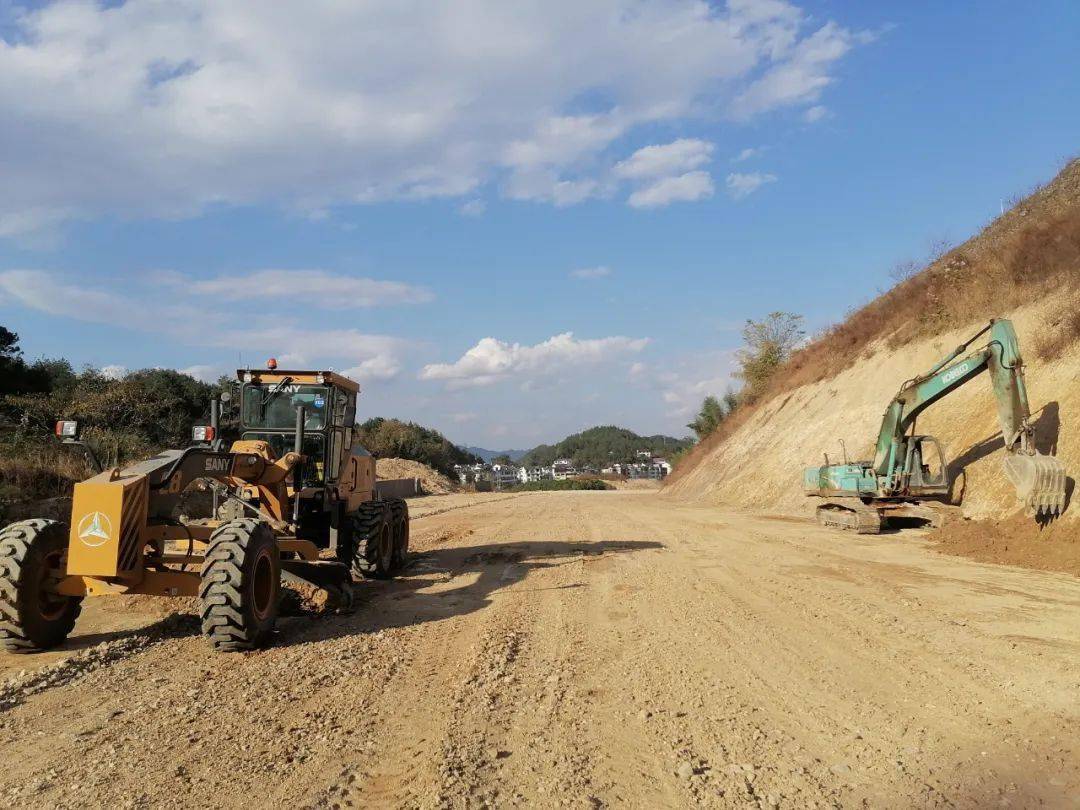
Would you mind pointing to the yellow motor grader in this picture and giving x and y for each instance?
(294, 499)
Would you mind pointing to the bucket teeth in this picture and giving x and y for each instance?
(1039, 480)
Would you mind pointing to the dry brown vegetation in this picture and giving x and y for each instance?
(47, 473)
(1025, 255)
(1029, 253)
(1062, 330)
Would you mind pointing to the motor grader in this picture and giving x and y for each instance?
(295, 498)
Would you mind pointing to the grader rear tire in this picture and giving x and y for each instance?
(240, 586)
(399, 511)
(373, 541)
(33, 556)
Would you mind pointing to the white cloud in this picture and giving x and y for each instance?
(815, 114)
(665, 160)
(591, 273)
(150, 109)
(463, 418)
(683, 188)
(492, 360)
(379, 368)
(114, 372)
(200, 325)
(742, 185)
(473, 208)
(690, 379)
(800, 73)
(329, 290)
(747, 154)
(206, 373)
(544, 185)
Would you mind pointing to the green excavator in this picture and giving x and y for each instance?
(909, 471)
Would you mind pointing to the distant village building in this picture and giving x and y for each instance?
(527, 475)
(471, 474)
(655, 468)
(504, 475)
(563, 468)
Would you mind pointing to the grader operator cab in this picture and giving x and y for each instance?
(294, 499)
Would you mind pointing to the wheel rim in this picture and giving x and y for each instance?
(51, 604)
(262, 585)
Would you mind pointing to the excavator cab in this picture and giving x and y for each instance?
(925, 470)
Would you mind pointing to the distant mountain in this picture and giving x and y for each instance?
(488, 455)
(604, 445)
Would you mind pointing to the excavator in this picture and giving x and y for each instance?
(862, 496)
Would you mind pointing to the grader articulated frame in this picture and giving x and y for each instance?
(294, 499)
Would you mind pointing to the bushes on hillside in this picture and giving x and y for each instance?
(122, 419)
(768, 344)
(562, 486)
(600, 446)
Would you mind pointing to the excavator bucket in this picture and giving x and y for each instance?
(1039, 481)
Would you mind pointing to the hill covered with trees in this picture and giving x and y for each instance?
(392, 438)
(602, 446)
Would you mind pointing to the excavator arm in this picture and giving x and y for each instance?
(1039, 479)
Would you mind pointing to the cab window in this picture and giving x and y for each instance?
(273, 405)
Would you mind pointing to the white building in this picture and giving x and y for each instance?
(563, 468)
(529, 474)
(504, 475)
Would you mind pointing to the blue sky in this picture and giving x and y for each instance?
(509, 221)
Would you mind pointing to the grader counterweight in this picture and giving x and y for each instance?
(295, 498)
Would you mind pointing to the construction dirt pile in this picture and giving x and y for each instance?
(757, 464)
(432, 481)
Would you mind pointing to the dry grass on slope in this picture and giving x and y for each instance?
(1029, 253)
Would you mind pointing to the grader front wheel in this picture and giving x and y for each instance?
(33, 616)
(240, 586)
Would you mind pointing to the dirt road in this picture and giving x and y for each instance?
(586, 649)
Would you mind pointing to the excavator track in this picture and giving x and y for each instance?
(854, 517)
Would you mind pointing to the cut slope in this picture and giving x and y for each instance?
(1025, 266)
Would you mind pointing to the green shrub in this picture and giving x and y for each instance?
(564, 485)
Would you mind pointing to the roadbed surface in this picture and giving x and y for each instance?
(581, 649)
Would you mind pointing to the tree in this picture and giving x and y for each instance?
(709, 418)
(12, 367)
(16, 377)
(768, 345)
(9, 345)
(502, 459)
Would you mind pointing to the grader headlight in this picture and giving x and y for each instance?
(203, 433)
(67, 430)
